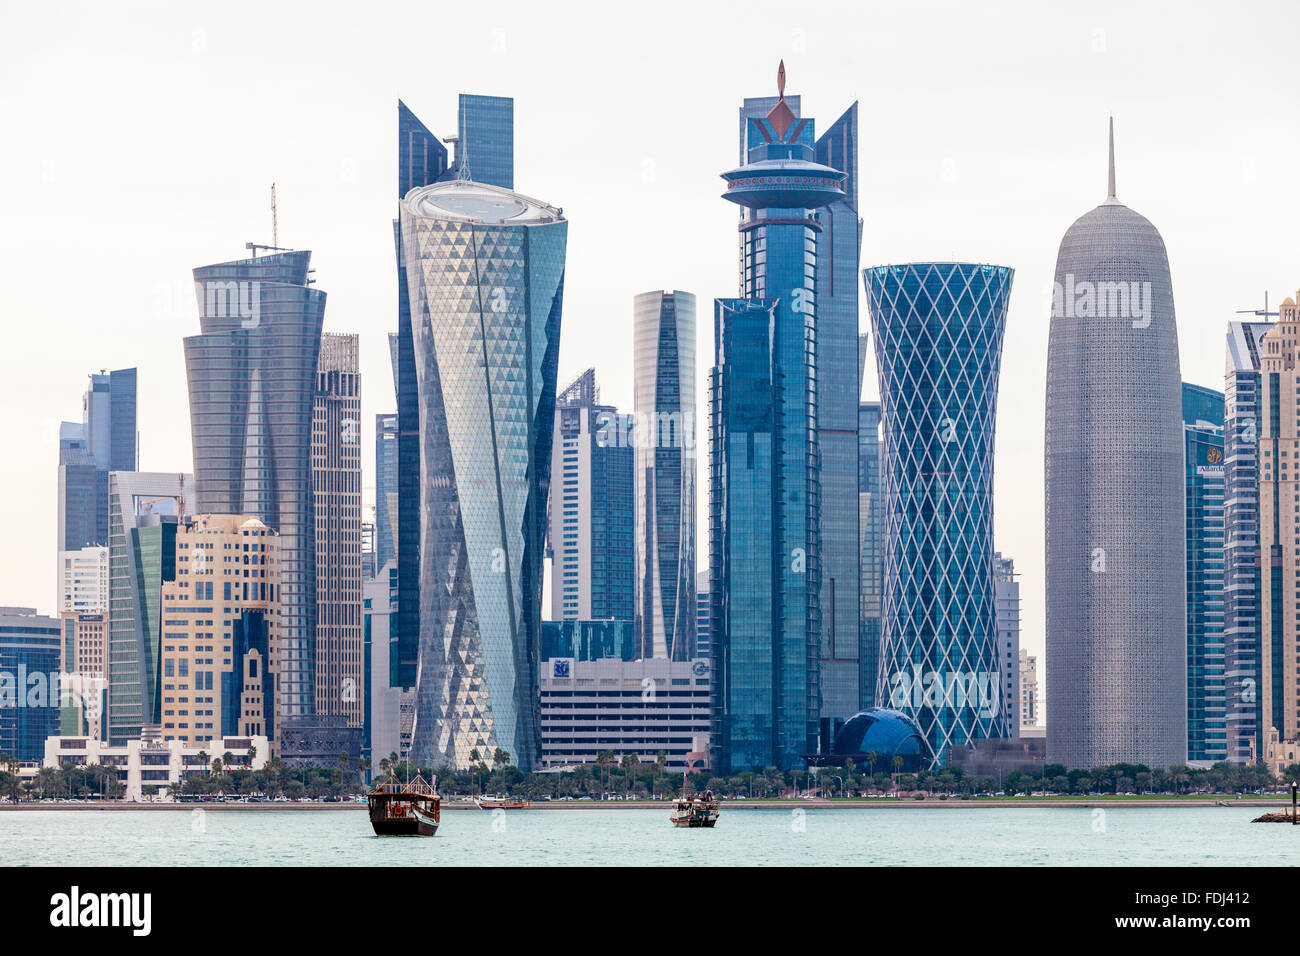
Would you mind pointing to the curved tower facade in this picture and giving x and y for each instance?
(252, 381)
(1116, 611)
(938, 330)
(485, 274)
(664, 405)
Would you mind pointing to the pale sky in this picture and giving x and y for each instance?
(141, 140)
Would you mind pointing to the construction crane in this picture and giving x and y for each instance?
(275, 232)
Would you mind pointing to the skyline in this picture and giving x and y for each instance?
(908, 193)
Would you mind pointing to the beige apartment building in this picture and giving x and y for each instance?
(85, 662)
(1279, 527)
(220, 623)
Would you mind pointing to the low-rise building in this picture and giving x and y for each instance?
(639, 707)
(148, 766)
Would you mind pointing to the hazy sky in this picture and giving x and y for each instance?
(140, 141)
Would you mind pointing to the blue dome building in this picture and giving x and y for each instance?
(887, 733)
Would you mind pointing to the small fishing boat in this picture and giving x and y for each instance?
(501, 803)
(698, 811)
(404, 809)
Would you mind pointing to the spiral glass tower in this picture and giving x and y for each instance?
(938, 331)
(485, 274)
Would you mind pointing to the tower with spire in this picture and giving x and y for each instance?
(783, 518)
(1116, 610)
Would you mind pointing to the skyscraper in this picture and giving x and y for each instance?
(386, 439)
(485, 140)
(220, 615)
(252, 379)
(1207, 732)
(336, 482)
(485, 273)
(938, 331)
(145, 509)
(765, 473)
(591, 507)
(1279, 529)
(1116, 603)
(1006, 597)
(664, 406)
(104, 441)
(871, 533)
(1241, 571)
(30, 648)
(838, 390)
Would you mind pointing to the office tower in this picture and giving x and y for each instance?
(220, 618)
(336, 483)
(485, 272)
(625, 707)
(388, 706)
(1028, 691)
(664, 402)
(386, 438)
(838, 390)
(30, 648)
(765, 489)
(85, 579)
(1241, 558)
(104, 441)
(702, 605)
(1203, 415)
(485, 129)
(1279, 528)
(368, 566)
(1116, 608)
(938, 330)
(591, 507)
(145, 509)
(1006, 598)
(85, 668)
(252, 378)
(871, 532)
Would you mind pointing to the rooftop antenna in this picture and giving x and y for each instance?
(1110, 181)
(1262, 313)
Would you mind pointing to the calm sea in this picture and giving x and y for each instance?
(911, 836)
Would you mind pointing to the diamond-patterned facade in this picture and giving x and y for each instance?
(485, 307)
(938, 333)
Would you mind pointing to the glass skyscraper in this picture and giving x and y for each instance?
(30, 650)
(871, 533)
(1241, 624)
(485, 275)
(1207, 732)
(938, 332)
(485, 144)
(252, 381)
(144, 512)
(1116, 575)
(386, 438)
(765, 470)
(590, 512)
(664, 407)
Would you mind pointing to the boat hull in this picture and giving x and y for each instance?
(409, 827)
(694, 823)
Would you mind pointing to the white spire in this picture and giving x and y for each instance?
(1110, 183)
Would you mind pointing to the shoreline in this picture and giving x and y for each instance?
(1266, 803)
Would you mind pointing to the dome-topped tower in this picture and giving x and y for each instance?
(1116, 643)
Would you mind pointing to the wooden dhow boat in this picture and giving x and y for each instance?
(412, 808)
(698, 811)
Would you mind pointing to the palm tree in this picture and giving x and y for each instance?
(604, 759)
(872, 757)
(661, 759)
(251, 754)
(630, 764)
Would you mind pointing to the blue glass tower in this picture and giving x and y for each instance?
(386, 442)
(871, 532)
(485, 273)
(1203, 416)
(486, 127)
(766, 510)
(30, 646)
(938, 330)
